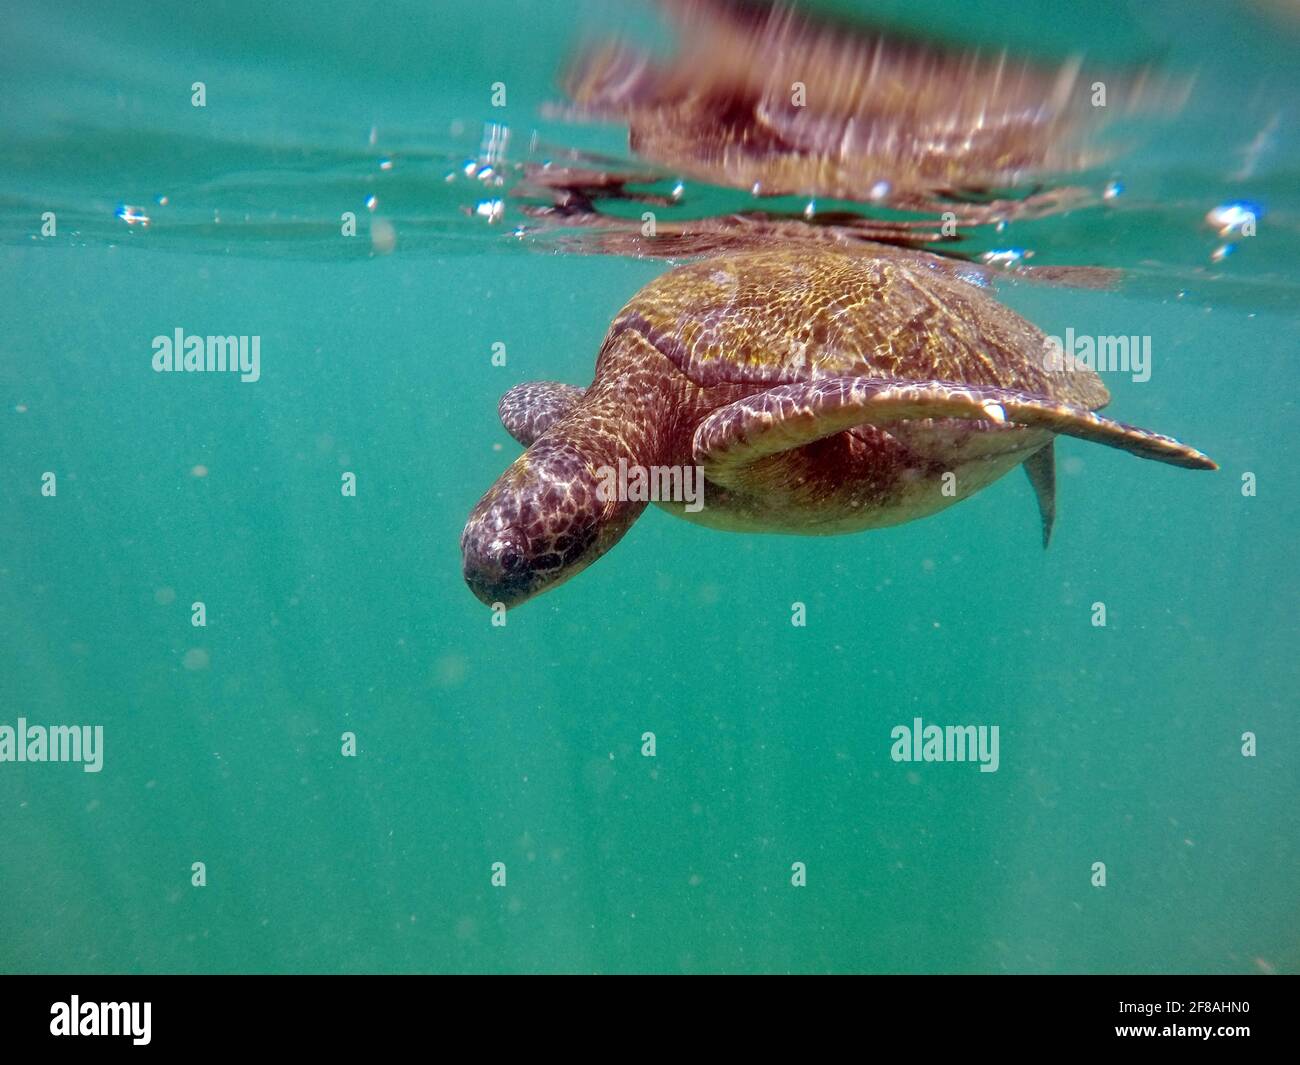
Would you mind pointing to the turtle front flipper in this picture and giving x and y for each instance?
(528, 410)
(790, 416)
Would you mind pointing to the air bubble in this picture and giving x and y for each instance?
(132, 216)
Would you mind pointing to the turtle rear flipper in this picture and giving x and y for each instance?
(1040, 467)
(528, 410)
(789, 416)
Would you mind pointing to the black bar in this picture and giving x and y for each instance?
(342, 1014)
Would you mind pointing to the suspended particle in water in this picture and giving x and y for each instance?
(196, 658)
(383, 237)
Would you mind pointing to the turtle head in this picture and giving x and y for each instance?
(542, 522)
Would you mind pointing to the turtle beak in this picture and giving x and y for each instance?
(491, 590)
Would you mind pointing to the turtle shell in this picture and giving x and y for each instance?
(776, 317)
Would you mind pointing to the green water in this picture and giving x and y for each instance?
(522, 744)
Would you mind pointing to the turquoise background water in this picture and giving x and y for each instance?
(481, 744)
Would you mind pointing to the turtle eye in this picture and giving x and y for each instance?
(510, 553)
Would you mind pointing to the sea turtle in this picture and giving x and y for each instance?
(816, 391)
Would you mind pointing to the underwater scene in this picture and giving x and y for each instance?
(663, 486)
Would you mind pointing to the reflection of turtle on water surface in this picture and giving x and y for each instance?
(756, 95)
(818, 392)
